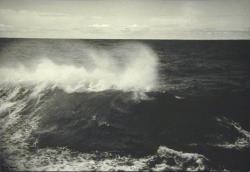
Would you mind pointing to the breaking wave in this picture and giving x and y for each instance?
(127, 67)
(20, 150)
(24, 91)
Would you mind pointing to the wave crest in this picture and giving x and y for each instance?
(128, 67)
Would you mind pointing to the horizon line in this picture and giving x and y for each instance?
(160, 39)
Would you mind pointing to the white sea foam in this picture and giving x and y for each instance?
(16, 148)
(242, 141)
(4, 106)
(134, 70)
(182, 160)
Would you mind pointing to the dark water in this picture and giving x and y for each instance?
(176, 105)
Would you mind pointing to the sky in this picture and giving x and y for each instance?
(125, 19)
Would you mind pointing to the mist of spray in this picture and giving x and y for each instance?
(127, 67)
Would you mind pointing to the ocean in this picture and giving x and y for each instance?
(127, 105)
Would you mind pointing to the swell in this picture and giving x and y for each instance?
(33, 119)
(102, 108)
(51, 126)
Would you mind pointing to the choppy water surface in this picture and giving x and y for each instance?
(124, 105)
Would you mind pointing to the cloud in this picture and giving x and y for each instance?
(191, 19)
(4, 27)
(99, 25)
